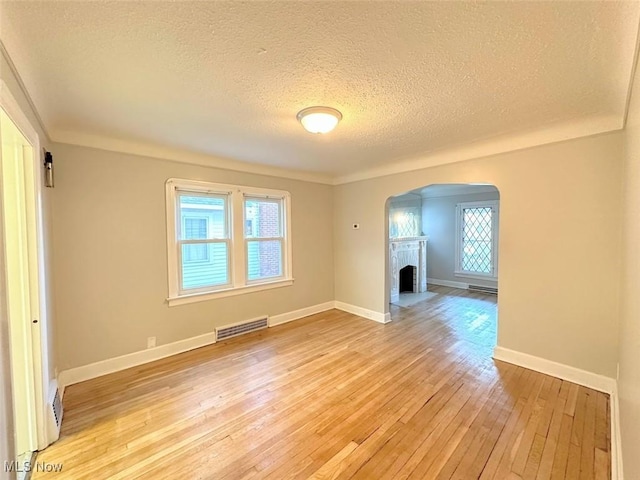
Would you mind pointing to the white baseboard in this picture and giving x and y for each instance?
(617, 472)
(447, 283)
(104, 367)
(363, 312)
(580, 377)
(297, 314)
(559, 370)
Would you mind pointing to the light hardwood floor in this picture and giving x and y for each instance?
(335, 396)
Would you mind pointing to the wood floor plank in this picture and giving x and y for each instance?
(509, 444)
(534, 459)
(570, 407)
(527, 438)
(602, 427)
(602, 466)
(476, 466)
(335, 396)
(549, 407)
(552, 439)
(562, 449)
(587, 457)
(577, 430)
(573, 463)
(331, 469)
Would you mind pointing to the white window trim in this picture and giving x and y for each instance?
(459, 272)
(238, 282)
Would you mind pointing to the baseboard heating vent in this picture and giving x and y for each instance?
(236, 329)
(55, 412)
(480, 288)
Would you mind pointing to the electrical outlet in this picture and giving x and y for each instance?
(151, 342)
(356, 226)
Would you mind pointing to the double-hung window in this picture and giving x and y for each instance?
(264, 237)
(477, 239)
(225, 240)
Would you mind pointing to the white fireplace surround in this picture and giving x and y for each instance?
(403, 252)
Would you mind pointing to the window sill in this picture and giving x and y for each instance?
(230, 292)
(477, 276)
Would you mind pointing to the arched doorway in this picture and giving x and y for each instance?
(443, 246)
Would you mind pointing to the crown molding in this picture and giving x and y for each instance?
(183, 156)
(464, 190)
(554, 133)
(507, 143)
(23, 89)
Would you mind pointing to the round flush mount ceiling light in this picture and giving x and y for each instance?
(319, 119)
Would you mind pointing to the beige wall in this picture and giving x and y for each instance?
(111, 255)
(439, 224)
(629, 380)
(559, 228)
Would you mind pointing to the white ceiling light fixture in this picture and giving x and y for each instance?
(319, 119)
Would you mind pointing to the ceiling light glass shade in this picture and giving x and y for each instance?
(319, 119)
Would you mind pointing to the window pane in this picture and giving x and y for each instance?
(477, 255)
(202, 216)
(404, 222)
(264, 259)
(262, 218)
(204, 265)
(195, 228)
(198, 252)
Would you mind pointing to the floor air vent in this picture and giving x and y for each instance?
(54, 412)
(236, 329)
(480, 288)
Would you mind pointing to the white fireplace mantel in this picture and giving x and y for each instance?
(407, 251)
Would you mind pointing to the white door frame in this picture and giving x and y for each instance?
(37, 267)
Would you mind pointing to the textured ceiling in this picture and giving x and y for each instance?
(227, 78)
(448, 190)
